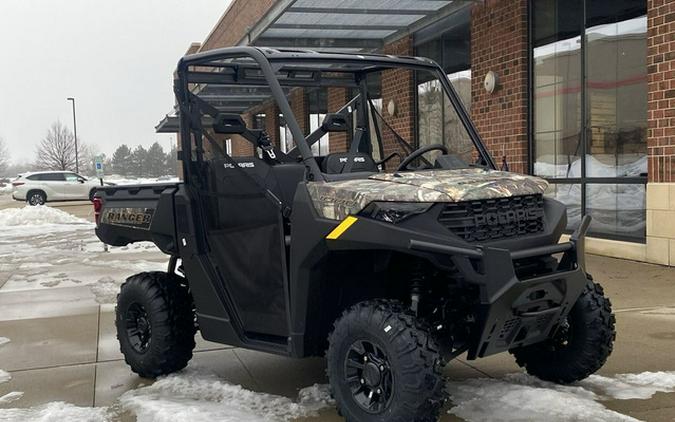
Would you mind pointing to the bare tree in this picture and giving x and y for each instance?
(4, 157)
(57, 150)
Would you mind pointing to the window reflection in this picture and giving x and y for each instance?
(557, 107)
(617, 98)
(438, 122)
(617, 209)
(570, 195)
(614, 50)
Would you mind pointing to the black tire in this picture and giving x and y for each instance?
(36, 197)
(401, 367)
(578, 349)
(155, 323)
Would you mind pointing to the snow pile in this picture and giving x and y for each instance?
(198, 397)
(632, 386)
(56, 411)
(7, 189)
(519, 397)
(11, 396)
(316, 397)
(195, 396)
(186, 396)
(3, 340)
(121, 180)
(37, 216)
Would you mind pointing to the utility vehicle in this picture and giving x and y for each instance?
(324, 211)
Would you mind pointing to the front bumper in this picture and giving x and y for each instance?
(513, 312)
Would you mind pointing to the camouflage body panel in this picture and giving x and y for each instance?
(336, 200)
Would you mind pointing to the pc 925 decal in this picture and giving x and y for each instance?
(135, 218)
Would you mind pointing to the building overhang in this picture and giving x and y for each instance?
(334, 25)
(345, 24)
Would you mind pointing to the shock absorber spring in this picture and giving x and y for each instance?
(416, 280)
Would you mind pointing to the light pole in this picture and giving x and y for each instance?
(77, 160)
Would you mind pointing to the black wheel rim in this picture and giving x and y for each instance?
(139, 330)
(369, 376)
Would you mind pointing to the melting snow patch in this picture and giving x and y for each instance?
(37, 216)
(197, 397)
(3, 340)
(632, 386)
(316, 397)
(105, 290)
(55, 411)
(520, 397)
(4, 376)
(11, 396)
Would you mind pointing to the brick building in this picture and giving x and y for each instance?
(585, 93)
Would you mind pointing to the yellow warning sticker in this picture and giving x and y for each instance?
(342, 227)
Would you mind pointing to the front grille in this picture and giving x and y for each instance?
(491, 219)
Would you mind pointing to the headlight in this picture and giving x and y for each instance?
(394, 212)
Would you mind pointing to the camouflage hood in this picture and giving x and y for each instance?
(336, 200)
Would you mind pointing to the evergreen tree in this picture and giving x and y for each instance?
(121, 160)
(138, 162)
(154, 162)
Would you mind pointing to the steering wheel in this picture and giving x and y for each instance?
(418, 153)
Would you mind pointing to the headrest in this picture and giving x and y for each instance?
(228, 123)
(334, 122)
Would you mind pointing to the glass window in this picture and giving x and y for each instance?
(318, 107)
(557, 89)
(618, 210)
(570, 195)
(72, 177)
(589, 135)
(617, 97)
(437, 121)
(52, 177)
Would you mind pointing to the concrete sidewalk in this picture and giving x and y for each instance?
(63, 346)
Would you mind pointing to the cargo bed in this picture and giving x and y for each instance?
(134, 213)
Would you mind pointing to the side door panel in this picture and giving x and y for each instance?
(73, 188)
(246, 239)
(54, 186)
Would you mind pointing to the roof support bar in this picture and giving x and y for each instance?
(371, 27)
(355, 43)
(360, 11)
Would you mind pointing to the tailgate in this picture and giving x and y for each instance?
(138, 213)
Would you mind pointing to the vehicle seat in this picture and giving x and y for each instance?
(287, 178)
(335, 163)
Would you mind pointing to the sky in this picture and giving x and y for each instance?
(115, 57)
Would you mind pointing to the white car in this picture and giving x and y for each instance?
(38, 187)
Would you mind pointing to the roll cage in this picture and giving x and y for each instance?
(279, 69)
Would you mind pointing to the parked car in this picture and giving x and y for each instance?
(36, 188)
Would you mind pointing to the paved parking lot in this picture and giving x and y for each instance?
(63, 348)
